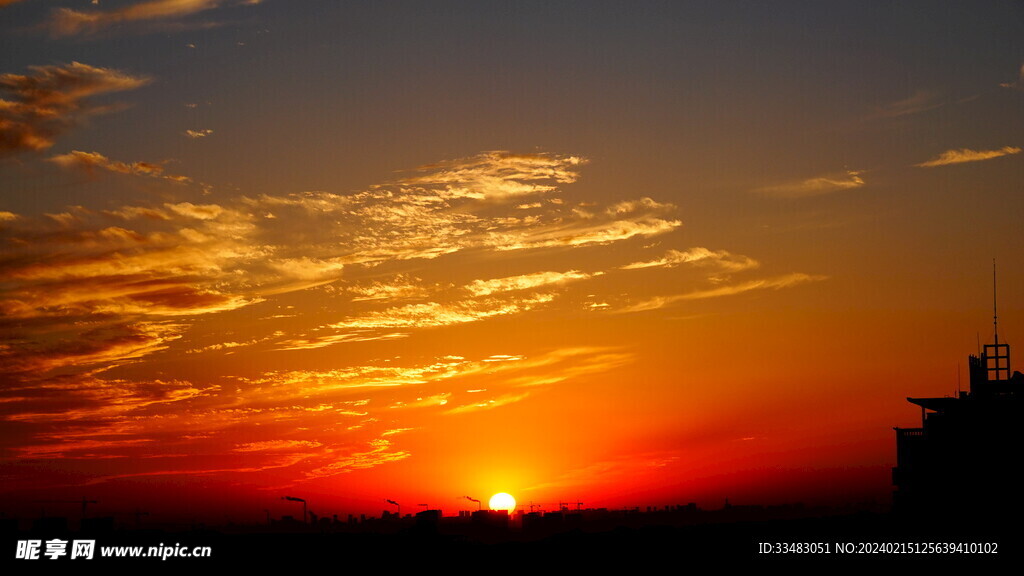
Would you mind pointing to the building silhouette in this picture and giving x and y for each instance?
(964, 460)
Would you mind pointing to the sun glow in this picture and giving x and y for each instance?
(502, 501)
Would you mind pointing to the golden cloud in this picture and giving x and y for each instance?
(700, 256)
(967, 155)
(774, 283)
(69, 22)
(51, 100)
(817, 186)
(90, 161)
(523, 282)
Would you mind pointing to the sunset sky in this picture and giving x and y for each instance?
(624, 253)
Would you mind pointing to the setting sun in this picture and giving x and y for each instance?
(502, 501)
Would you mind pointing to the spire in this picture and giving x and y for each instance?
(996, 356)
(995, 310)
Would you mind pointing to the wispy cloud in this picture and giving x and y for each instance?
(498, 175)
(70, 22)
(564, 364)
(495, 402)
(379, 451)
(424, 401)
(561, 236)
(90, 161)
(275, 445)
(279, 461)
(322, 341)
(719, 259)
(523, 282)
(817, 186)
(194, 134)
(91, 399)
(920, 101)
(51, 100)
(641, 205)
(402, 286)
(293, 384)
(967, 155)
(774, 283)
(434, 314)
(1018, 83)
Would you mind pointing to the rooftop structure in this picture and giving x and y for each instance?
(964, 460)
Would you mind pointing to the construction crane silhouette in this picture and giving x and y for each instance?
(294, 499)
(479, 505)
(396, 504)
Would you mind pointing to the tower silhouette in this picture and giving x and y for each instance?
(964, 459)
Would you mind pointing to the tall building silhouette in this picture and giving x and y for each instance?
(964, 460)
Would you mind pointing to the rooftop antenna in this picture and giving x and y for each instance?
(957, 379)
(996, 356)
(995, 314)
(294, 499)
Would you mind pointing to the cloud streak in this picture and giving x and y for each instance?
(921, 101)
(817, 186)
(523, 282)
(92, 161)
(70, 22)
(1017, 84)
(698, 256)
(964, 155)
(774, 283)
(51, 100)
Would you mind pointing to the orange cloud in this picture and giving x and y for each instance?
(51, 100)
(523, 282)
(90, 161)
(498, 175)
(275, 445)
(817, 186)
(573, 236)
(967, 155)
(496, 402)
(701, 256)
(775, 283)
(433, 314)
(92, 296)
(402, 286)
(379, 451)
(69, 22)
